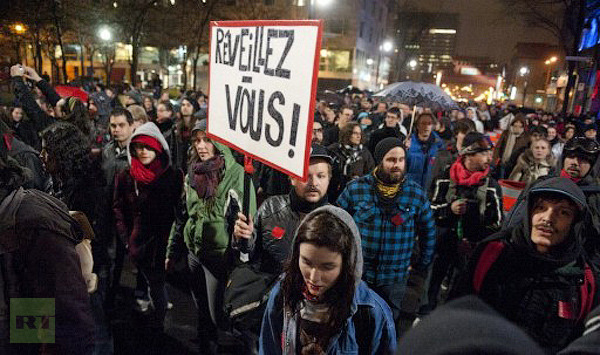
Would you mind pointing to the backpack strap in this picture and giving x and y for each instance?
(364, 328)
(487, 258)
(587, 292)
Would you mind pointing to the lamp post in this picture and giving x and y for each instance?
(105, 35)
(18, 29)
(524, 71)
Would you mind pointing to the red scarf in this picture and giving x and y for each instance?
(461, 176)
(146, 174)
(563, 173)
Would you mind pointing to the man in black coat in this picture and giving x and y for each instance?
(392, 127)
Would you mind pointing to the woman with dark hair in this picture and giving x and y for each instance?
(355, 159)
(183, 131)
(146, 198)
(149, 107)
(76, 177)
(213, 180)
(321, 306)
(22, 127)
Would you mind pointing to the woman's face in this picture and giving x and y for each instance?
(517, 128)
(540, 149)
(17, 114)
(356, 135)
(320, 268)
(187, 109)
(569, 133)
(144, 154)
(148, 104)
(204, 147)
(162, 113)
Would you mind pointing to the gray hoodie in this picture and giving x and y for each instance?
(149, 129)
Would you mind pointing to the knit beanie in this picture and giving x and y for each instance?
(475, 142)
(385, 145)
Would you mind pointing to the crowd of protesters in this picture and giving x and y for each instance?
(398, 241)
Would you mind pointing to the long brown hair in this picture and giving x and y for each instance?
(323, 229)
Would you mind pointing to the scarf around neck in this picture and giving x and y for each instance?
(386, 190)
(206, 176)
(563, 173)
(461, 176)
(147, 174)
(303, 206)
(351, 155)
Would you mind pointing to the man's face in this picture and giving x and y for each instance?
(17, 114)
(391, 120)
(551, 222)
(317, 133)
(551, 133)
(381, 107)
(316, 186)
(365, 105)
(394, 164)
(120, 129)
(517, 128)
(329, 115)
(345, 116)
(425, 127)
(577, 167)
(479, 161)
(162, 113)
(536, 136)
(590, 133)
(405, 109)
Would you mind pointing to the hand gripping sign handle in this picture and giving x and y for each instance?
(248, 171)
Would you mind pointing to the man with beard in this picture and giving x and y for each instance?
(467, 206)
(392, 213)
(270, 233)
(536, 273)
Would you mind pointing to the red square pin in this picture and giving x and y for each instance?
(278, 232)
(397, 220)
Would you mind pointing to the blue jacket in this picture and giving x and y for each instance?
(384, 334)
(420, 163)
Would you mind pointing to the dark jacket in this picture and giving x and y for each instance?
(29, 158)
(177, 148)
(144, 213)
(26, 132)
(541, 293)
(475, 225)
(114, 160)
(38, 260)
(39, 118)
(275, 225)
(352, 166)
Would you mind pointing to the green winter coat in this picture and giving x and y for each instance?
(205, 233)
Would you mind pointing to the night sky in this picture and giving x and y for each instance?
(485, 28)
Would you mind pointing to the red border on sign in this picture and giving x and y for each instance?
(313, 94)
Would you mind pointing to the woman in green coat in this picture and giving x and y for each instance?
(213, 181)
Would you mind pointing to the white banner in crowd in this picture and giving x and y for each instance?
(262, 87)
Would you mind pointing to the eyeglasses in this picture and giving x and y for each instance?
(586, 145)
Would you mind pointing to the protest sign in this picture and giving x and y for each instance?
(262, 87)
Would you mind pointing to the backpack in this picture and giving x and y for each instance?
(492, 251)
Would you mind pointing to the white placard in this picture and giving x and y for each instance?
(262, 87)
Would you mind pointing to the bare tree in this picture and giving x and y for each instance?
(564, 19)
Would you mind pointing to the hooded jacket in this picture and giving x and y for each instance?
(528, 170)
(203, 226)
(38, 260)
(280, 327)
(144, 213)
(538, 292)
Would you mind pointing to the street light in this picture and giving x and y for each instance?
(104, 34)
(19, 29)
(369, 61)
(524, 71)
(387, 46)
(412, 64)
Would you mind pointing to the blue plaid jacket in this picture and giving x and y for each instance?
(388, 235)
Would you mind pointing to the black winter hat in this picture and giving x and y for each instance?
(475, 142)
(385, 145)
(318, 151)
